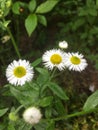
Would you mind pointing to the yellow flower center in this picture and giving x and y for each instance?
(56, 59)
(75, 60)
(19, 71)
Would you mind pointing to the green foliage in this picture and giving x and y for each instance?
(27, 95)
(42, 20)
(5, 6)
(32, 5)
(83, 27)
(36, 62)
(77, 23)
(35, 11)
(49, 4)
(46, 101)
(57, 90)
(31, 23)
(3, 111)
(91, 102)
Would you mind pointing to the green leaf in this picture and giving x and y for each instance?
(16, 7)
(89, 3)
(57, 90)
(31, 23)
(42, 81)
(43, 78)
(3, 111)
(32, 5)
(79, 22)
(51, 125)
(42, 71)
(11, 126)
(41, 126)
(36, 62)
(21, 125)
(93, 12)
(26, 95)
(46, 101)
(42, 20)
(46, 6)
(3, 126)
(97, 4)
(59, 107)
(91, 102)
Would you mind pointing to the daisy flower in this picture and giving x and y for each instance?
(32, 115)
(54, 58)
(63, 44)
(75, 61)
(18, 72)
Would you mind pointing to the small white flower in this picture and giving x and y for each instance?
(5, 38)
(63, 44)
(75, 61)
(32, 115)
(18, 72)
(92, 87)
(54, 58)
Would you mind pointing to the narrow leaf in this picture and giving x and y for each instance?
(58, 91)
(46, 6)
(91, 102)
(31, 23)
(59, 107)
(36, 62)
(3, 111)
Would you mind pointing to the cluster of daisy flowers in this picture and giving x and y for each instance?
(60, 59)
(19, 72)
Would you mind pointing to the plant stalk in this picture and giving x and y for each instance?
(75, 114)
(14, 43)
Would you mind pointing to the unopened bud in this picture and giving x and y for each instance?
(13, 116)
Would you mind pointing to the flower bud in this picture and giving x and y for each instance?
(32, 115)
(63, 44)
(13, 116)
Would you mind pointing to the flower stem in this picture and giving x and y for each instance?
(14, 43)
(53, 72)
(75, 114)
(18, 109)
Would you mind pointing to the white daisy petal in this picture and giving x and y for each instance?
(19, 72)
(75, 61)
(54, 58)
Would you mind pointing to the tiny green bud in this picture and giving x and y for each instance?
(8, 3)
(1, 13)
(13, 116)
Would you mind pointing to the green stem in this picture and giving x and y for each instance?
(13, 42)
(18, 109)
(75, 114)
(53, 72)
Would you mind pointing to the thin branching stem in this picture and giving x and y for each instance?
(14, 43)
